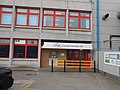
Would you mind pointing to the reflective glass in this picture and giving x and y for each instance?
(76, 54)
(33, 20)
(7, 9)
(4, 41)
(60, 12)
(48, 12)
(82, 54)
(69, 54)
(34, 11)
(59, 21)
(32, 42)
(48, 21)
(4, 51)
(32, 51)
(21, 19)
(84, 14)
(6, 19)
(84, 23)
(74, 13)
(19, 51)
(21, 10)
(74, 22)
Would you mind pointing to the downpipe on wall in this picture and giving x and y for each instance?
(98, 31)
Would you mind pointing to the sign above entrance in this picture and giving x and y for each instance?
(55, 45)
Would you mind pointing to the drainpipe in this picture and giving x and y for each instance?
(67, 18)
(98, 31)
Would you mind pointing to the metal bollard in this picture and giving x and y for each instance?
(52, 66)
(80, 66)
(94, 67)
(64, 65)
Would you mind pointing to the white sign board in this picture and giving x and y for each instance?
(19, 41)
(54, 45)
(54, 61)
(112, 58)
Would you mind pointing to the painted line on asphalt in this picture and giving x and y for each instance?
(26, 86)
(23, 84)
(100, 83)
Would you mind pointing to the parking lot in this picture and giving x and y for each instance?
(43, 79)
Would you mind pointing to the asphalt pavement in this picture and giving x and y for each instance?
(43, 79)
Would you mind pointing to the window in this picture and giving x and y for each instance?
(32, 51)
(4, 48)
(19, 51)
(74, 22)
(54, 18)
(53, 54)
(5, 15)
(69, 54)
(78, 54)
(79, 20)
(27, 17)
(25, 48)
(82, 54)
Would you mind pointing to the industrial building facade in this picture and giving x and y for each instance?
(34, 32)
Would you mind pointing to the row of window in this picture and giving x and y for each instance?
(29, 49)
(78, 55)
(51, 18)
(22, 48)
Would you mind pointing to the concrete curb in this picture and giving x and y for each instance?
(24, 69)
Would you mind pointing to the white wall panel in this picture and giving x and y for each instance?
(54, 4)
(30, 3)
(5, 34)
(80, 6)
(25, 35)
(25, 63)
(76, 37)
(6, 2)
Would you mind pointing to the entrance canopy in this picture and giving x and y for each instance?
(55, 45)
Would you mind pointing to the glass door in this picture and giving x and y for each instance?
(78, 55)
(69, 55)
(83, 55)
(73, 54)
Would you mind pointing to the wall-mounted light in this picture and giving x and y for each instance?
(105, 16)
(118, 15)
